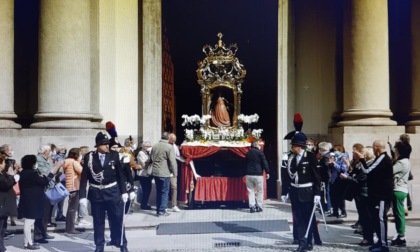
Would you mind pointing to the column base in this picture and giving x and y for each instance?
(9, 124)
(65, 124)
(349, 135)
(360, 117)
(64, 120)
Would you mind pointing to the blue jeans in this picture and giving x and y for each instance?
(162, 193)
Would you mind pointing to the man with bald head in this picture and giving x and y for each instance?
(380, 191)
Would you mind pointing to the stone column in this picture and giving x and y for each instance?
(64, 88)
(7, 65)
(366, 68)
(285, 79)
(415, 68)
(150, 89)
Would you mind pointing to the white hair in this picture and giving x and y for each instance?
(324, 146)
(44, 148)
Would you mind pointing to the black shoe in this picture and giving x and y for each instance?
(310, 247)
(259, 209)
(319, 243)
(40, 241)
(12, 223)
(146, 207)
(62, 218)
(252, 209)
(355, 225)
(124, 249)
(48, 237)
(51, 224)
(342, 216)
(295, 241)
(399, 242)
(113, 243)
(31, 247)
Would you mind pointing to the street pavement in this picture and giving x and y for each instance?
(141, 234)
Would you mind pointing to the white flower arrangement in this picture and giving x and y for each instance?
(204, 134)
(248, 118)
(189, 134)
(195, 119)
(257, 133)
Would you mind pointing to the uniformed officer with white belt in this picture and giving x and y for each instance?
(107, 190)
(305, 186)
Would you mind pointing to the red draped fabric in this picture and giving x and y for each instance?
(212, 188)
(220, 189)
(191, 152)
(240, 151)
(187, 175)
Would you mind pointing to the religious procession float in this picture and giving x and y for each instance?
(217, 141)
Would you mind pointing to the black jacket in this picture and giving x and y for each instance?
(7, 196)
(32, 194)
(380, 177)
(256, 162)
(324, 167)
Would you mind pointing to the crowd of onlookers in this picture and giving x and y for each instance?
(23, 184)
(375, 180)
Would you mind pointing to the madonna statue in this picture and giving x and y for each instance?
(220, 114)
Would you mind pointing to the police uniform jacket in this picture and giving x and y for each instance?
(112, 174)
(302, 173)
(284, 174)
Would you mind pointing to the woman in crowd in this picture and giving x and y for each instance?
(7, 198)
(358, 186)
(143, 159)
(73, 170)
(32, 197)
(338, 166)
(401, 171)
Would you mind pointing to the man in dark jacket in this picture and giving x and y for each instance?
(255, 163)
(380, 183)
(107, 190)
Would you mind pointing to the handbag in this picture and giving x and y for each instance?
(16, 188)
(56, 193)
(410, 176)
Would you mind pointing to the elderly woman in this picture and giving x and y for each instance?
(32, 197)
(7, 198)
(401, 171)
(73, 170)
(143, 175)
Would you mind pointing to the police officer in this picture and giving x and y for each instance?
(305, 186)
(107, 190)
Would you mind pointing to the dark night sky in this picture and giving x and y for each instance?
(252, 25)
